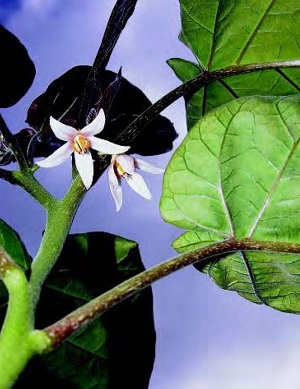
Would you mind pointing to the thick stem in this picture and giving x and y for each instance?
(59, 331)
(18, 341)
(59, 220)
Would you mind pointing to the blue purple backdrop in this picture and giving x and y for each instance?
(207, 338)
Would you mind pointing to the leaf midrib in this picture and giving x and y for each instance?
(253, 34)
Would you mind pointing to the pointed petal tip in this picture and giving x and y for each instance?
(58, 157)
(106, 147)
(96, 126)
(115, 187)
(85, 166)
(61, 130)
(138, 184)
(148, 167)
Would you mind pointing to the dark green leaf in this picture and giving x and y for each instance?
(17, 69)
(122, 103)
(237, 175)
(114, 351)
(223, 33)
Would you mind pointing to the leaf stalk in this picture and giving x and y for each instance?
(65, 327)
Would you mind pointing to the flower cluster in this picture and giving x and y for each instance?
(81, 141)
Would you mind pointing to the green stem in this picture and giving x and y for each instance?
(65, 327)
(27, 181)
(18, 341)
(59, 220)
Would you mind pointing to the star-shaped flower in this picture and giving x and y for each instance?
(80, 142)
(124, 166)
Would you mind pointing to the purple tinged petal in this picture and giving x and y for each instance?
(58, 157)
(126, 162)
(96, 126)
(115, 187)
(85, 166)
(106, 147)
(62, 131)
(147, 167)
(137, 183)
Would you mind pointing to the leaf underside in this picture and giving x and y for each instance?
(237, 175)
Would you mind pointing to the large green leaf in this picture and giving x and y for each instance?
(222, 33)
(117, 349)
(237, 173)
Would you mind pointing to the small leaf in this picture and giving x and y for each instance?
(122, 103)
(237, 175)
(17, 69)
(115, 350)
(226, 33)
(11, 243)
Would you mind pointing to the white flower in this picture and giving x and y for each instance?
(124, 166)
(80, 142)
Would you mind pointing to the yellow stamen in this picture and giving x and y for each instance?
(81, 144)
(120, 172)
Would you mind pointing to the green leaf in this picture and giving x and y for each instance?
(237, 174)
(223, 33)
(115, 350)
(11, 243)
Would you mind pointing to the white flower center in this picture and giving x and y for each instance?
(81, 144)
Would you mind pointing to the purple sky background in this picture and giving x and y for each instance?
(206, 338)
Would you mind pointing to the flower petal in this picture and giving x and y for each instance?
(62, 131)
(115, 187)
(85, 166)
(126, 162)
(58, 157)
(106, 147)
(96, 126)
(137, 183)
(147, 167)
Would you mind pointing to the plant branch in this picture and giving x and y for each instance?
(121, 12)
(60, 217)
(62, 329)
(16, 327)
(18, 340)
(190, 87)
(7, 176)
(27, 181)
